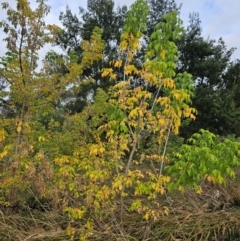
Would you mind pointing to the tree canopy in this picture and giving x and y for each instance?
(98, 132)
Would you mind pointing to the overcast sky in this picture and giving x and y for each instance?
(220, 18)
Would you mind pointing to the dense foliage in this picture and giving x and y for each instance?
(95, 133)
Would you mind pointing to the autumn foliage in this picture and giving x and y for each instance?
(93, 165)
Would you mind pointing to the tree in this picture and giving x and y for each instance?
(70, 37)
(207, 60)
(108, 163)
(157, 9)
(228, 100)
(27, 93)
(204, 156)
(99, 14)
(102, 14)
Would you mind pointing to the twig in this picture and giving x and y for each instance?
(155, 99)
(165, 148)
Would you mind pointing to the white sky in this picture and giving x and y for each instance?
(220, 18)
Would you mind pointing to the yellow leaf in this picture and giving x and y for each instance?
(128, 182)
(94, 150)
(19, 128)
(106, 72)
(211, 179)
(133, 113)
(123, 45)
(41, 138)
(101, 150)
(176, 95)
(199, 191)
(166, 210)
(70, 231)
(146, 216)
(118, 64)
(113, 76)
(166, 179)
(3, 154)
(192, 116)
(187, 112)
(2, 135)
(163, 54)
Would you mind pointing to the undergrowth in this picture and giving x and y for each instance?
(191, 217)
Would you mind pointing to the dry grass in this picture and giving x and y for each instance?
(192, 217)
(31, 225)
